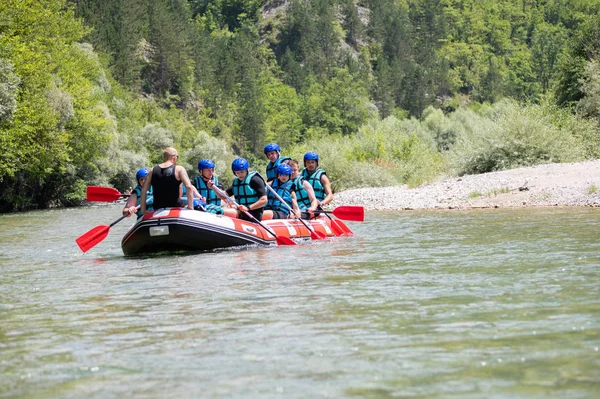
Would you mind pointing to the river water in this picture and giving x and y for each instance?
(449, 304)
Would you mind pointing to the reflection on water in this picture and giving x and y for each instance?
(473, 304)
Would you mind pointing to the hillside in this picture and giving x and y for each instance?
(403, 90)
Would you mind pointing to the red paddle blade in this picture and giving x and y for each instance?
(284, 241)
(354, 213)
(102, 194)
(347, 231)
(90, 239)
(344, 228)
(317, 235)
(337, 230)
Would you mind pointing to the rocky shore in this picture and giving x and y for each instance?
(573, 184)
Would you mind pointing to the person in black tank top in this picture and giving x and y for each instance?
(165, 180)
(165, 187)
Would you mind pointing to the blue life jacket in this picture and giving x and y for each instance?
(244, 194)
(284, 191)
(210, 195)
(149, 199)
(301, 194)
(315, 181)
(272, 167)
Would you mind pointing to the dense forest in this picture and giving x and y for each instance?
(387, 91)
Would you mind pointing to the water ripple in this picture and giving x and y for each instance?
(473, 304)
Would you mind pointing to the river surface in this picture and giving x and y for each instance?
(449, 304)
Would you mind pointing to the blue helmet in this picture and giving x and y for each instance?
(284, 169)
(142, 173)
(311, 156)
(205, 164)
(272, 147)
(239, 164)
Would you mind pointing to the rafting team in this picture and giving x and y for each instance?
(287, 192)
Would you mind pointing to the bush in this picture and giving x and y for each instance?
(124, 165)
(589, 105)
(383, 153)
(344, 171)
(513, 136)
(404, 146)
(441, 129)
(207, 147)
(155, 139)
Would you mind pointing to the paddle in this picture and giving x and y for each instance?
(354, 213)
(103, 194)
(346, 212)
(337, 229)
(315, 235)
(278, 239)
(96, 235)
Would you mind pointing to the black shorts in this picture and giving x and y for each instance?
(257, 213)
(279, 214)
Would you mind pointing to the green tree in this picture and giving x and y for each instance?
(57, 128)
(118, 30)
(338, 107)
(9, 83)
(391, 53)
(547, 42)
(582, 48)
(283, 123)
(350, 22)
(313, 34)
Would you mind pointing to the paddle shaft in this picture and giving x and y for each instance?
(119, 219)
(137, 208)
(338, 229)
(96, 235)
(337, 226)
(223, 193)
(310, 228)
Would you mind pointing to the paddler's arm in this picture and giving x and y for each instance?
(189, 189)
(197, 194)
(145, 190)
(130, 206)
(295, 207)
(314, 203)
(327, 187)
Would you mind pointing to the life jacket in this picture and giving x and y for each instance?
(272, 167)
(165, 187)
(315, 181)
(284, 191)
(301, 194)
(210, 195)
(244, 194)
(149, 199)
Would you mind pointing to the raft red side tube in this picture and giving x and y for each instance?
(181, 229)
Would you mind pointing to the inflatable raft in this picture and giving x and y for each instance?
(181, 229)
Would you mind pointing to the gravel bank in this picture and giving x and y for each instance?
(573, 184)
